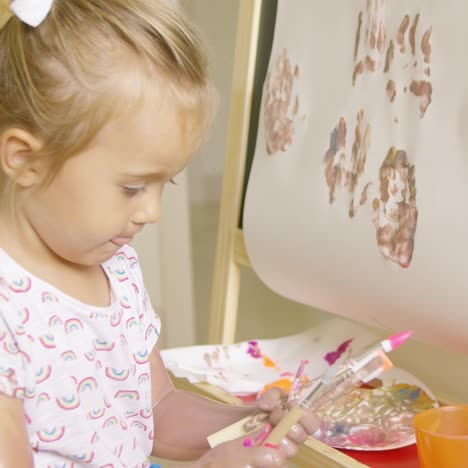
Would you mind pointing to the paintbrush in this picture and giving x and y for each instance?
(297, 380)
(363, 368)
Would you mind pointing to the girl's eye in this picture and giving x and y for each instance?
(133, 190)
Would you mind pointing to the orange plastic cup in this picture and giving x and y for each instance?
(442, 437)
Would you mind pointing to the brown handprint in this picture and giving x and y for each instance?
(417, 55)
(343, 172)
(370, 46)
(405, 49)
(395, 212)
(280, 105)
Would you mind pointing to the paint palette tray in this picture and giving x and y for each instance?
(375, 419)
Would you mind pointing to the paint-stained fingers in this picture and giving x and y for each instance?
(272, 398)
(299, 432)
(269, 457)
(309, 422)
(288, 447)
(236, 453)
(276, 415)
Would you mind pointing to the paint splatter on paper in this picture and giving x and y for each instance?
(333, 356)
(254, 351)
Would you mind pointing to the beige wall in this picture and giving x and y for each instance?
(217, 22)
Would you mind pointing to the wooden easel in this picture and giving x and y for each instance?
(230, 250)
(231, 253)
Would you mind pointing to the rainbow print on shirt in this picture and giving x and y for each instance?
(51, 434)
(130, 394)
(84, 457)
(43, 373)
(87, 384)
(72, 325)
(20, 285)
(116, 374)
(68, 402)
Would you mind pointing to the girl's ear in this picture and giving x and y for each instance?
(17, 148)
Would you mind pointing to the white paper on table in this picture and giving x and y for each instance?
(232, 369)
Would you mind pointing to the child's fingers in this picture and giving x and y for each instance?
(297, 434)
(271, 399)
(268, 457)
(310, 422)
(276, 415)
(236, 453)
(306, 426)
(286, 445)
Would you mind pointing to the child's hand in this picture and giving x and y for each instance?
(274, 403)
(236, 454)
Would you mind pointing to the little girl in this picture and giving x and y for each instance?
(102, 103)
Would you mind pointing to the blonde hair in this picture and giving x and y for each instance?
(60, 81)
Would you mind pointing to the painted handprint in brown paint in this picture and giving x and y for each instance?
(280, 105)
(416, 54)
(406, 48)
(343, 172)
(395, 211)
(371, 39)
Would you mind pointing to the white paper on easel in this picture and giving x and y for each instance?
(357, 199)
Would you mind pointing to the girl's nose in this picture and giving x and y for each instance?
(149, 209)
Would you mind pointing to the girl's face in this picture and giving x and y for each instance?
(104, 196)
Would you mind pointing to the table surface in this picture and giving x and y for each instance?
(405, 457)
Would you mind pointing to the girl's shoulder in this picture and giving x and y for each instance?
(13, 278)
(14, 283)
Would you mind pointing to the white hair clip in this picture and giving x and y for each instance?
(31, 12)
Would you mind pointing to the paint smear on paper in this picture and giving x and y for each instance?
(333, 356)
(254, 351)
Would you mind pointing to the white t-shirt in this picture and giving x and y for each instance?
(82, 371)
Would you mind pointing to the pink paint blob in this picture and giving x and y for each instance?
(333, 356)
(247, 442)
